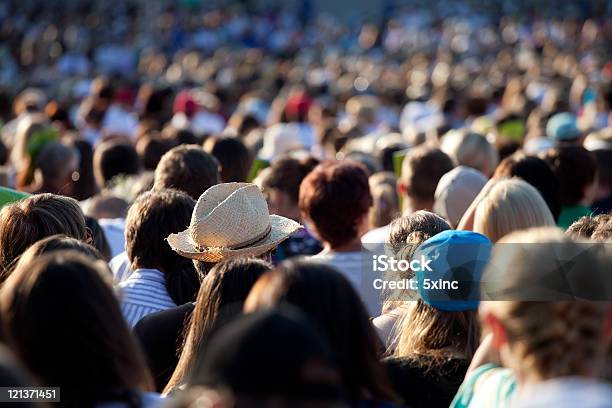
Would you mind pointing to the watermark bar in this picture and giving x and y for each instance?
(29, 394)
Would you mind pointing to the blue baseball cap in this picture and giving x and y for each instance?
(452, 264)
(562, 127)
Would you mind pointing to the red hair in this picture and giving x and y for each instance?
(335, 197)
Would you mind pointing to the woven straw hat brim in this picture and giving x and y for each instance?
(281, 229)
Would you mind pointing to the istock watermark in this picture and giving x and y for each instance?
(385, 263)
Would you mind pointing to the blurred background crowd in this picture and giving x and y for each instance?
(125, 126)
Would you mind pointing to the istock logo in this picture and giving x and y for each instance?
(384, 263)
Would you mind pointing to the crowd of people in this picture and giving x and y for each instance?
(195, 202)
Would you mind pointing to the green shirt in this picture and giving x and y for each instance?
(571, 213)
(488, 386)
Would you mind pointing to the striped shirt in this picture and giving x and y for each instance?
(143, 293)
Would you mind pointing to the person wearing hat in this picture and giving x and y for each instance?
(439, 333)
(230, 220)
(562, 128)
(455, 192)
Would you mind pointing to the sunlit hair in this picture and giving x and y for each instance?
(330, 300)
(385, 203)
(20, 156)
(470, 149)
(430, 337)
(58, 243)
(227, 283)
(27, 221)
(511, 205)
(405, 235)
(549, 339)
(64, 322)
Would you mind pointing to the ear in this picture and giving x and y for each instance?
(497, 329)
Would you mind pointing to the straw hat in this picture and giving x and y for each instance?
(231, 220)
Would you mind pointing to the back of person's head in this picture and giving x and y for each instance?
(544, 332)
(335, 197)
(576, 169)
(226, 286)
(58, 243)
(536, 172)
(114, 158)
(422, 169)
(511, 205)
(151, 150)
(472, 150)
(603, 232)
(85, 186)
(598, 228)
(233, 156)
(58, 165)
(33, 132)
(456, 190)
(405, 235)
(151, 218)
(443, 323)
(353, 339)
(187, 168)
(270, 358)
(385, 203)
(27, 221)
(281, 181)
(64, 302)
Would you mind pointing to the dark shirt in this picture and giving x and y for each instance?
(161, 335)
(421, 387)
(301, 243)
(602, 206)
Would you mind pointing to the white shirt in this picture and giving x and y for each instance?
(566, 392)
(121, 267)
(143, 293)
(357, 268)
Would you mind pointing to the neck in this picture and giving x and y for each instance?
(410, 205)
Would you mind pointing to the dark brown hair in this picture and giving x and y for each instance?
(335, 196)
(536, 172)
(233, 156)
(114, 158)
(422, 169)
(227, 284)
(64, 322)
(187, 168)
(27, 221)
(286, 175)
(329, 299)
(575, 168)
(153, 216)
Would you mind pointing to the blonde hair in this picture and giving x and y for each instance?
(509, 206)
(385, 202)
(549, 339)
(20, 157)
(470, 149)
(429, 337)
(36, 217)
